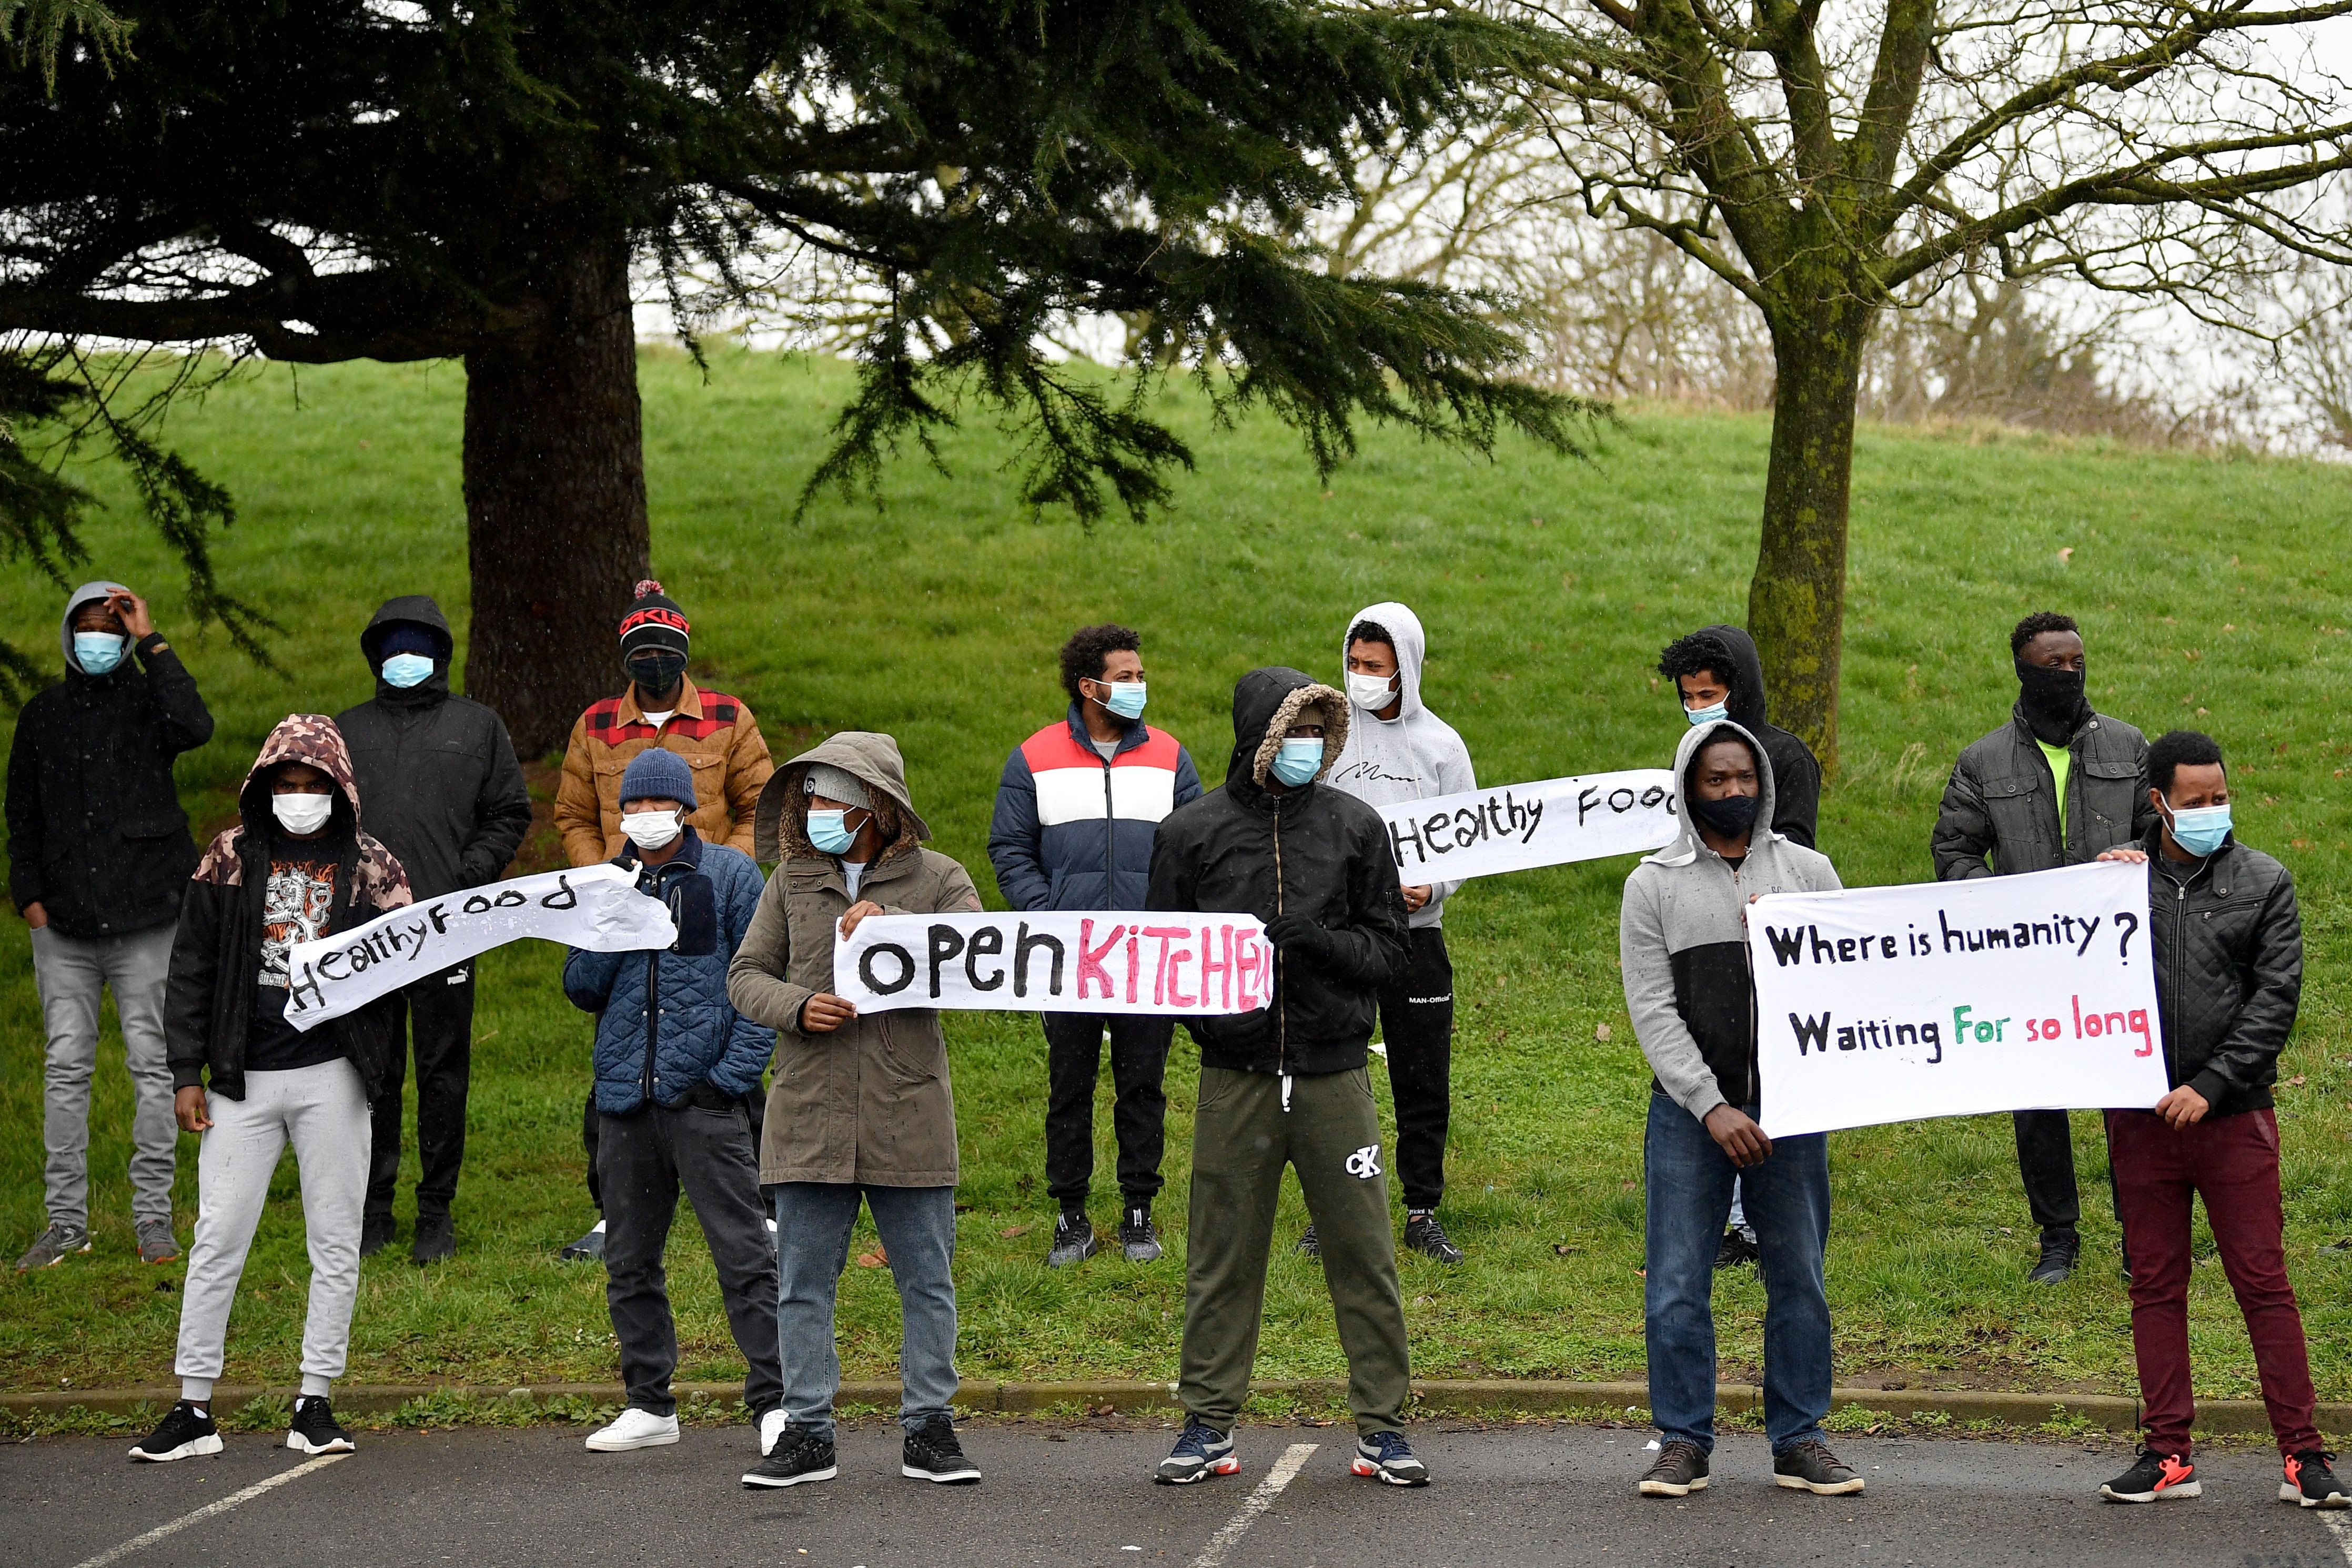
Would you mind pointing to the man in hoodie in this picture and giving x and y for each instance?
(675, 1062)
(860, 1110)
(295, 868)
(1682, 943)
(1398, 750)
(661, 708)
(98, 856)
(2057, 785)
(445, 795)
(1075, 813)
(1287, 1084)
(2227, 942)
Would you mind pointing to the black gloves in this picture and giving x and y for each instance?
(1299, 935)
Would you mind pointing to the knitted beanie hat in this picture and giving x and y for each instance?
(836, 784)
(658, 775)
(654, 621)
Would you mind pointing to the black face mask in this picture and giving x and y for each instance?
(2051, 701)
(656, 674)
(1729, 817)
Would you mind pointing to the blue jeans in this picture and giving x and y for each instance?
(1689, 1180)
(917, 1225)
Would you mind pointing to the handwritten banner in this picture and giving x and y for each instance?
(1951, 999)
(598, 907)
(1483, 832)
(1185, 966)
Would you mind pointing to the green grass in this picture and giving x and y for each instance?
(1547, 586)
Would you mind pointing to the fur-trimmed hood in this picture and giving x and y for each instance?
(1266, 702)
(779, 827)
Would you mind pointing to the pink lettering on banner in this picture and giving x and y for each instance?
(1249, 964)
(1134, 965)
(1090, 960)
(1211, 965)
(1177, 958)
(1159, 968)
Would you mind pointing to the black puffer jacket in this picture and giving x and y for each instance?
(1796, 771)
(436, 773)
(96, 833)
(1999, 801)
(1244, 849)
(2228, 942)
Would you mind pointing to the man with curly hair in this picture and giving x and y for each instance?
(1075, 814)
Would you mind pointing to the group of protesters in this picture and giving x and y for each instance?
(726, 1067)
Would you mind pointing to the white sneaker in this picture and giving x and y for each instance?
(771, 1427)
(635, 1428)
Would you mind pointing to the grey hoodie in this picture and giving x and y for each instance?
(1682, 942)
(1412, 757)
(85, 594)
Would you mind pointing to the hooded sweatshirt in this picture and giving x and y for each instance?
(1412, 757)
(1796, 771)
(1249, 849)
(437, 771)
(1682, 943)
(96, 833)
(255, 893)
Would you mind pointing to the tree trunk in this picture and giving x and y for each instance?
(1796, 602)
(555, 502)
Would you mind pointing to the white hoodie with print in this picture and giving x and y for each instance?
(1412, 757)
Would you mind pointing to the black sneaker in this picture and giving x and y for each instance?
(799, 1455)
(1073, 1241)
(376, 1234)
(1201, 1451)
(185, 1433)
(1680, 1470)
(1808, 1465)
(1424, 1235)
(2061, 1246)
(589, 1249)
(1139, 1238)
(2154, 1477)
(933, 1454)
(1738, 1249)
(1309, 1246)
(437, 1239)
(315, 1430)
(1389, 1456)
(2311, 1483)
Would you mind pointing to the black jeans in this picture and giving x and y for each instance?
(755, 1105)
(643, 1159)
(439, 1012)
(1139, 1065)
(1417, 1025)
(2046, 1162)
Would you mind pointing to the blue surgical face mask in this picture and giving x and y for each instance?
(406, 670)
(98, 652)
(829, 831)
(1699, 715)
(1126, 699)
(1298, 761)
(2199, 829)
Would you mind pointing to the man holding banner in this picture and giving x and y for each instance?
(1397, 752)
(2053, 786)
(2226, 943)
(1285, 1084)
(1689, 989)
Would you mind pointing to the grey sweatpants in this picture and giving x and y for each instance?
(324, 1112)
(72, 974)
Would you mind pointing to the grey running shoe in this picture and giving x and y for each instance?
(1139, 1237)
(1073, 1241)
(156, 1242)
(589, 1249)
(1201, 1451)
(52, 1248)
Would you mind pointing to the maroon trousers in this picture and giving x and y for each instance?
(2232, 1162)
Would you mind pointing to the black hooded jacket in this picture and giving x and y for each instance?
(96, 833)
(436, 773)
(1796, 772)
(1244, 849)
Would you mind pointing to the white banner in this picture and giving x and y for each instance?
(598, 907)
(1951, 999)
(1481, 832)
(1099, 961)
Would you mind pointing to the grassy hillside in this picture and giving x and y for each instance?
(1548, 586)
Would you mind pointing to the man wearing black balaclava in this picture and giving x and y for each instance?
(2055, 786)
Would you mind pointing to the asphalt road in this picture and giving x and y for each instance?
(1078, 1495)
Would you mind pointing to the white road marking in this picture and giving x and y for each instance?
(1284, 1469)
(137, 1542)
(2339, 1525)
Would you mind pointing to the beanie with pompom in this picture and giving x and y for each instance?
(653, 622)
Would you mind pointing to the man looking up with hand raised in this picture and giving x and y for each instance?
(1682, 942)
